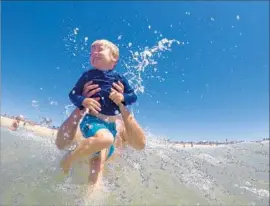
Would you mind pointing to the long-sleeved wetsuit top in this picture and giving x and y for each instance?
(105, 80)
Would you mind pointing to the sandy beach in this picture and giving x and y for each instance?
(37, 130)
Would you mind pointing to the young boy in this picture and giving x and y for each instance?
(99, 122)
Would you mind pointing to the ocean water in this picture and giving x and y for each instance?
(160, 175)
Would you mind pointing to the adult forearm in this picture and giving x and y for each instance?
(133, 134)
(67, 131)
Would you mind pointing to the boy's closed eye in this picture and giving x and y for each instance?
(97, 48)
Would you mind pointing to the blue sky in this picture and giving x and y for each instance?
(214, 86)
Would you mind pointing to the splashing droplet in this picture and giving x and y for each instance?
(119, 37)
(34, 103)
(76, 31)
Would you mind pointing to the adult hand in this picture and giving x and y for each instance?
(92, 104)
(90, 89)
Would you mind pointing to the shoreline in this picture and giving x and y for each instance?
(35, 129)
(51, 133)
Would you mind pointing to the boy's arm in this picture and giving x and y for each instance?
(129, 95)
(75, 94)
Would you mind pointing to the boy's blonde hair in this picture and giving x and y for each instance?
(114, 49)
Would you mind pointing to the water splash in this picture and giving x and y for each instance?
(75, 44)
(35, 104)
(139, 61)
(142, 177)
(68, 109)
(52, 102)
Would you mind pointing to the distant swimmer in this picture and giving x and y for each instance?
(15, 124)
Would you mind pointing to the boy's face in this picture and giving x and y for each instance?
(101, 57)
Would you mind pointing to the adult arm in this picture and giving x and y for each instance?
(132, 133)
(68, 131)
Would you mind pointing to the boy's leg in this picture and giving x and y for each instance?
(96, 166)
(103, 139)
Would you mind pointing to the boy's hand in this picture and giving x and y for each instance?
(92, 104)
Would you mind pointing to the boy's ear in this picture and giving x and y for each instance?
(114, 58)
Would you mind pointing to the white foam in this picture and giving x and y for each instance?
(208, 158)
(261, 193)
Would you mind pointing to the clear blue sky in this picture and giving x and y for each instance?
(215, 85)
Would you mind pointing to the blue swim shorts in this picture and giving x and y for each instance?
(90, 125)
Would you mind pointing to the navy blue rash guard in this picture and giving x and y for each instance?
(105, 80)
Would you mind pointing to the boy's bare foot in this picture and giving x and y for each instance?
(65, 163)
